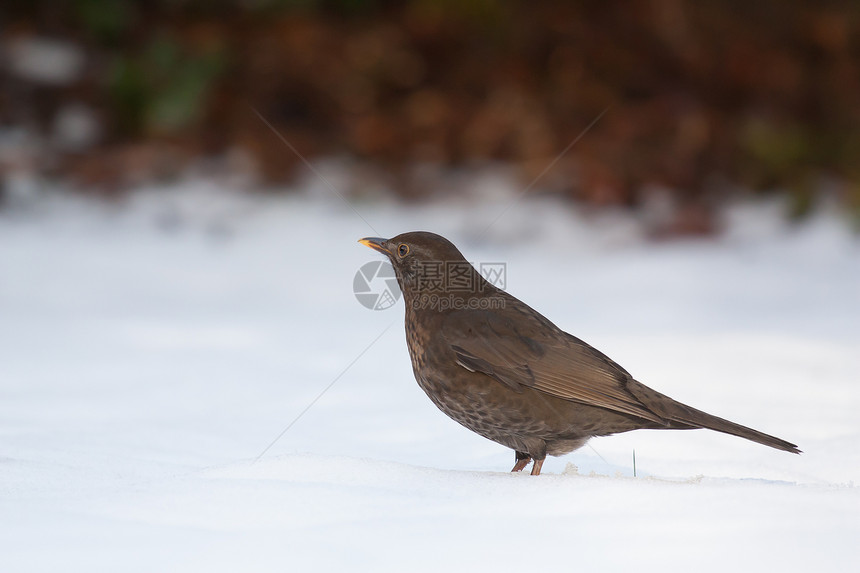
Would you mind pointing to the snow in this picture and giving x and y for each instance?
(151, 350)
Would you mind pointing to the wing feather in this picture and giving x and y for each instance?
(526, 353)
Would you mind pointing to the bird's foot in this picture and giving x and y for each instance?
(536, 467)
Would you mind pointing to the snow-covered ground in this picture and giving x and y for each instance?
(151, 350)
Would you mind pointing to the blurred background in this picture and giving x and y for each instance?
(704, 102)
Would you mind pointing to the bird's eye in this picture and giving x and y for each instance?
(403, 249)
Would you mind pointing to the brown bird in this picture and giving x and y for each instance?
(501, 369)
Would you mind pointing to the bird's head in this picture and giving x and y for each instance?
(426, 263)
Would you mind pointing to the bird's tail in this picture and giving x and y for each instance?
(683, 416)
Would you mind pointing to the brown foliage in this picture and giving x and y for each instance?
(763, 94)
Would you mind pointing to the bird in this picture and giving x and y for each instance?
(501, 369)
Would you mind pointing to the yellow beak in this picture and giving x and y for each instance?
(375, 243)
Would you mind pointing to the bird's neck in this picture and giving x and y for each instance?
(443, 286)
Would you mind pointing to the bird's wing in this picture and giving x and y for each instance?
(533, 353)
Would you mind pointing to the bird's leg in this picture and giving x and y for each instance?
(521, 464)
(522, 460)
(536, 467)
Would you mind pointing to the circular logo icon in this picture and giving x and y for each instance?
(375, 285)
